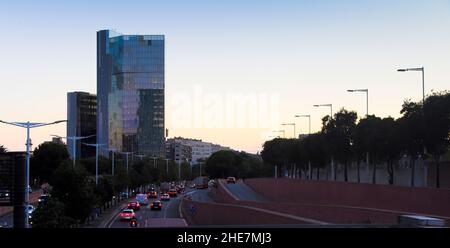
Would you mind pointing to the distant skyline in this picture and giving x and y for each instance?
(304, 52)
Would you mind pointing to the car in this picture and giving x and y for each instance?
(134, 205)
(165, 197)
(142, 199)
(231, 180)
(124, 195)
(173, 192)
(152, 194)
(4, 195)
(180, 189)
(127, 214)
(29, 209)
(156, 205)
(43, 198)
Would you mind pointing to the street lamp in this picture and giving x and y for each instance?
(326, 105)
(367, 98)
(167, 167)
(309, 117)
(126, 154)
(113, 150)
(290, 124)
(331, 117)
(367, 115)
(421, 69)
(96, 145)
(140, 156)
(74, 142)
(154, 161)
(28, 125)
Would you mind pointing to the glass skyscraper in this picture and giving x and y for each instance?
(130, 92)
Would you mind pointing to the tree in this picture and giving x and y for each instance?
(105, 190)
(339, 132)
(364, 139)
(75, 189)
(390, 144)
(3, 149)
(46, 158)
(316, 150)
(51, 214)
(437, 127)
(222, 164)
(276, 152)
(412, 131)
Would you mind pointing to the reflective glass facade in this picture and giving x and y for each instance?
(130, 91)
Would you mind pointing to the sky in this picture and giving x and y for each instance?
(274, 58)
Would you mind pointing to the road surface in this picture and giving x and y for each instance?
(6, 221)
(244, 192)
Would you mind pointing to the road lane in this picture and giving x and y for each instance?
(168, 216)
(6, 221)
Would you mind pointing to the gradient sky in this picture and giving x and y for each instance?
(307, 52)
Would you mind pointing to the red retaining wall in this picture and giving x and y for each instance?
(428, 201)
(206, 213)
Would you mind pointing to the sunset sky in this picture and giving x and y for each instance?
(299, 53)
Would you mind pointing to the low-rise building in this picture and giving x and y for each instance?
(193, 151)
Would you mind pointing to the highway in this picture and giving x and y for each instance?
(168, 216)
(6, 221)
(244, 192)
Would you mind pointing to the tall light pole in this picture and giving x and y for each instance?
(112, 150)
(421, 69)
(333, 175)
(96, 145)
(309, 117)
(154, 161)
(74, 144)
(280, 131)
(167, 168)
(28, 125)
(290, 124)
(367, 115)
(140, 156)
(367, 98)
(126, 155)
(309, 133)
(326, 105)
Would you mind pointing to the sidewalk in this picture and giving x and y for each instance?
(107, 215)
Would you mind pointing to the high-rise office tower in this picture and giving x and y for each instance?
(130, 92)
(81, 121)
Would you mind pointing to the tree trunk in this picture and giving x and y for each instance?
(345, 172)
(412, 163)
(357, 169)
(438, 182)
(391, 173)
(374, 174)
